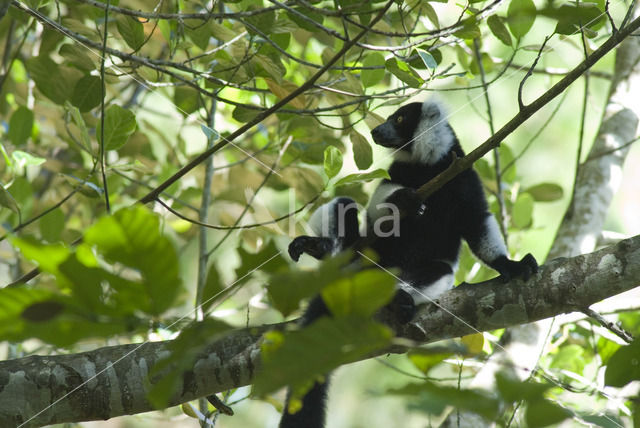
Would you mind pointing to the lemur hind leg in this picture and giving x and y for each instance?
(419, 285)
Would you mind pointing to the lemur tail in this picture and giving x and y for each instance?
(312, 413)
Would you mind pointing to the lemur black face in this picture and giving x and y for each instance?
(399, 128)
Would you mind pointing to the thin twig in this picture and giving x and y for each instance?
(585, 97)
(103, 89)
(530, 72)
(612, 327)
(496, 154)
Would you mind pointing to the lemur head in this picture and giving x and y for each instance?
(419, 129)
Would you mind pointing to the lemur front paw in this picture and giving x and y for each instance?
(402, 306)
(297, 247)
(510, 269)
(407, 200)
(316, 246)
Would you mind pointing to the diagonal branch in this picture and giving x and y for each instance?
(527, 111)
(260, 117)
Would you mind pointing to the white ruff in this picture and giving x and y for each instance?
(432, 139)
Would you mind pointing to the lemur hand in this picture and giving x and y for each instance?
(316, 247)
(510, 269)
(407, 200)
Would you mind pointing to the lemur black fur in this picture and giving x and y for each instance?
(426, 244)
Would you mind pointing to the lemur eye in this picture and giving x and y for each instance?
(399, 119)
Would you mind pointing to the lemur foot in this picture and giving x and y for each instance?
(510, 269)
(402, 306)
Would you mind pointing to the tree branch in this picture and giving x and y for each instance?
(113, 381)
(527, 111)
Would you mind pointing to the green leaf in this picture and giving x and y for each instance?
(49, 79)
(297, 358)
(430, 13)
(543, 413)
(498, 29)
(469, 31)
(607, 420)
(77, 56)
(362, 151)
(42, 311)
(301, 22)
(404, 72)
(507, 158)
(361, 294)
(624, 365)
(425, 360)
(243, 114)
(212, 134)
(131, 237)
(522, 214)
(606, 348)
(87, 93)
(516, 390)
(570, 358)
(371, 77)
(131, 31)
(521, 15)
(51, 225)
(27, 313)
(427, 58)
(213, 286)
(487, 64)
(119, 124)
(435, 398)
(23, 159)
(572, 16)
(221, 32)
(288, 289)
(47, 257)
(79, 121)
(359, 177)
(267, 259)
(332, 161)
(20, 126)
(545, 192)
(182, 352)
(7, 201)
(262, 21)
(273, 68)
(199, 34)
(186, 100)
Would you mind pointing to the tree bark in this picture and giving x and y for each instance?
(113, 381)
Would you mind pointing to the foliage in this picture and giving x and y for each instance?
(181, 77)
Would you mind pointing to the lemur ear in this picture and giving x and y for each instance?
(431, 110)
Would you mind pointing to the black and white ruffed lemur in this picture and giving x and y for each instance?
(425, 248)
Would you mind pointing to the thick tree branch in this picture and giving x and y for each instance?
(113, 381)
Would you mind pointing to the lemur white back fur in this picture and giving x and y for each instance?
(433, 138)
